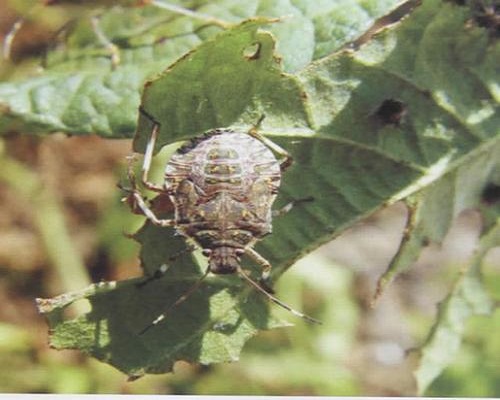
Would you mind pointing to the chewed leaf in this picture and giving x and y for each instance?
(468, 298)
(432, 210)
(234, 77)
(212, 327)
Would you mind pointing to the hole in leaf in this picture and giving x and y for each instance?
(491, 194)
(252, 52)
(488, 17)
(391, 111)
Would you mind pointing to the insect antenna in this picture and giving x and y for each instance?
(276, 300)
(180, 300)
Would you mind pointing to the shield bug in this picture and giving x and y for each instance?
(222, 185)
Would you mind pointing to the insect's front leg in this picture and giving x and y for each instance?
(137, 202)
(148, 154)
(286, 159)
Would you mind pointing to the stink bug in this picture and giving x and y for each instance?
(222, 186)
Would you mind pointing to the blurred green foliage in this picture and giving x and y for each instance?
(304, 360)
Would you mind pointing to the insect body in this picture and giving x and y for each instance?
(223, 188)
(222, 185)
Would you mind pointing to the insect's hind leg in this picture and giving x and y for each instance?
(286, 160)
(264, 280)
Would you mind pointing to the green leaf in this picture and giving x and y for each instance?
(433, 209)
(80, 93)
(83, 103)
(211, 327)
(436, 136)
(467, 298)
(460, 72)
(352, 157)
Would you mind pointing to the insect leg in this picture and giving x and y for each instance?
(180, 300)
(141, 203)
(266, 269)
(286, 160)
(138, 204)
(148, 154)
(287, 207)
(274, 299)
